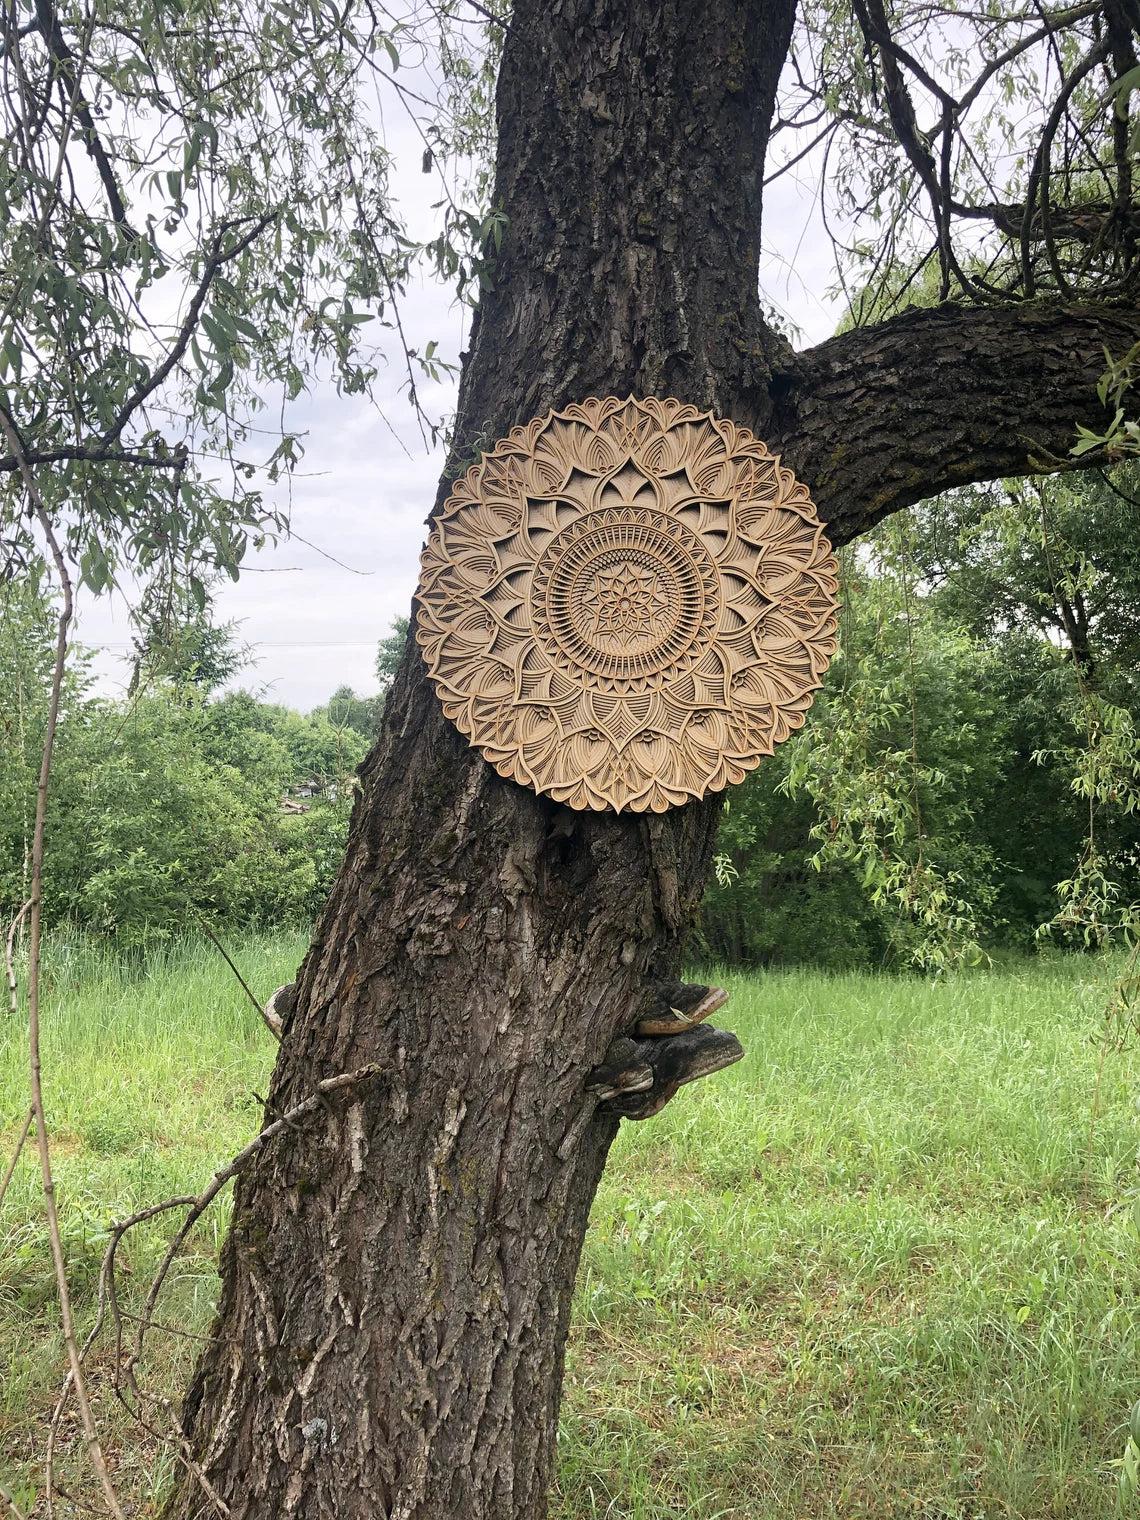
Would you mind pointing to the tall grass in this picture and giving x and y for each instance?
(876, 1269)
(151, 1063)
(873, 1270)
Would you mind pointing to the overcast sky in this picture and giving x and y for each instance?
(313, 611)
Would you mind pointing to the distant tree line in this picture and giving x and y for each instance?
(175, 805)
(968, 779)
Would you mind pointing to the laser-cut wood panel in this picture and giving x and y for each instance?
(627, 604)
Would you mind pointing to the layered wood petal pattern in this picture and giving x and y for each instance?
(627, 604)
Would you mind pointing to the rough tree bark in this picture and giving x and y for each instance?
(397, 1278)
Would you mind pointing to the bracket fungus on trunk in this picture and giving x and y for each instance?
(671, 1046)
(627, 604)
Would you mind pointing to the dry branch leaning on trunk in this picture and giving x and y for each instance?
(108, 1294)
(272, 1023)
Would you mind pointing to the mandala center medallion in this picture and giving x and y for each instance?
(627, 604)
(625, 598)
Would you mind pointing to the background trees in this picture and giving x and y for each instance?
(182, 801)
(954, 726)
(176, 805)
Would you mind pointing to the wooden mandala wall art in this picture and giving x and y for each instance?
(627, 604)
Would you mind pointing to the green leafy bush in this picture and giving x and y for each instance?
(169, 808)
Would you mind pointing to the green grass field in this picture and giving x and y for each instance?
(879, 1268)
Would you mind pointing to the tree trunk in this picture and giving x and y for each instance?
(398, 1274)
(397, 1278)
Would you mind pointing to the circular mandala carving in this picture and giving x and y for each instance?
(627, 604)
(627, 598)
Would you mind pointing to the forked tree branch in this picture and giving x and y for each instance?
(220, 256)
(21, 459)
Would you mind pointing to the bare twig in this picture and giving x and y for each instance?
(74, 1499)
(35, 903)
(28, 1117)
(13, 995)
(108, 1294)
(221, 949)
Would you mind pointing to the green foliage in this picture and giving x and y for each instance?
(169, 807)
(389, 652)
(880, 791)
(344, 709)
(1120, 437)
(1101, 899)
(27, 656)
(895, 771)
(1059, 561)
(177, 640)
(1057, 558)
(969, 775)
(195, 217)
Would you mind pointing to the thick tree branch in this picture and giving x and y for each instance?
(882, 417)
(1087, 222)
(92, 454)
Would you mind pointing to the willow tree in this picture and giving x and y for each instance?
(398, 1274)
